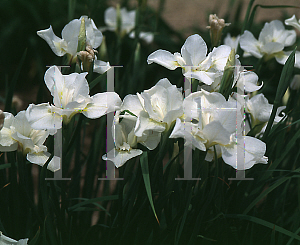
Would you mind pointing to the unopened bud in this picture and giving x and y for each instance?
(81, 36)
(216, 26)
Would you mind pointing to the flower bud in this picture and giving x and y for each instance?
(82, 36)
(216, 26)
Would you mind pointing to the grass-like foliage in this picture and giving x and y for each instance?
(147, 200)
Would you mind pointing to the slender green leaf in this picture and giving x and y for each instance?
(93, 201)
(264, 223)
(145, 171)
(251, 19)
(284, 82)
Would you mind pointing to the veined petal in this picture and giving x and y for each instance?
(144, 123)
(194, 50)
(215, 133)
(44, 116)
(58, 45)
(70, 35)
(53, 80)
(272, 47)
(202, 76)
(150, 139)
(102, 103)
(164, 58)
(219, 57)
(248, 81)
(6, 138)
(21, 124)
(250, 44)
(93, 35)
(132, 103)
(253, 149)
(120, 157)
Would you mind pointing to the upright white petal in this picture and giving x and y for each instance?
(194, 50)
(70, 34)
(93, 35)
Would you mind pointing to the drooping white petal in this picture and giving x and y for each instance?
(41, 158)
(253, 149)
(202, 76)
(4, 240)
(120, 157)
(101, 66)
(293, 22)
(102, 103)
(164, 58)
(249, 80)
(150, 139)
(58, 45)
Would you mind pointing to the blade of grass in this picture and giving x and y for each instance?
(264, 223)
(145, 171)
(250, 22)
(284, 82)
(93, 201)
